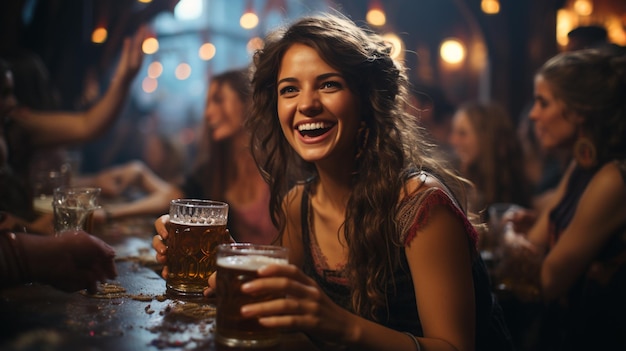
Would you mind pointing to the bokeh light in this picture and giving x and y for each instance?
(99, 35)
(150, 46)
(452, 51)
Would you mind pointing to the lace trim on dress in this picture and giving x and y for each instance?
(414, 213)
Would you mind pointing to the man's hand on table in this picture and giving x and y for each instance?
(72, 261)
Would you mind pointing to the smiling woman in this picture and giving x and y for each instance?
(379, 245)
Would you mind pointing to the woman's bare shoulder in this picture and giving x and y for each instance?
(608, 182)
(421, 182)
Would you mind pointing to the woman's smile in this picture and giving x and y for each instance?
(318, 112)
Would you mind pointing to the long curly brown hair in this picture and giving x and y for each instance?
(394, 149)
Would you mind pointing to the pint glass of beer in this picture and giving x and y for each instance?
(195, 230)
(237, 264)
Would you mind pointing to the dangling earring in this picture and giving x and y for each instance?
(362, 136)
(585, 152)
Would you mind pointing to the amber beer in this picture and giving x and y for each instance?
(236, 265)
(196, 229)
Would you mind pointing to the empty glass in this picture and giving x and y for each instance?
(73, 207)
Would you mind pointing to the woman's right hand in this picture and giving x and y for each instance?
(159, 241)
(523, 220)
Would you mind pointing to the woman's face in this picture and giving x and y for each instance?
(552, 127)
(318, 113)
(224, 112)
(464, 139)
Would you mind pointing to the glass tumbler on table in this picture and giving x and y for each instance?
(237, 263)
(195, 230)
(73, 208)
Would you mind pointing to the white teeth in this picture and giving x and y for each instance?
(313, 126)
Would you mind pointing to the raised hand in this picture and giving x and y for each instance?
(132, 55)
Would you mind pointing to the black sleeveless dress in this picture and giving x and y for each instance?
(402, 314)
(593, 317)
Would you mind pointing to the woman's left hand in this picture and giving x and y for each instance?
(305, 308)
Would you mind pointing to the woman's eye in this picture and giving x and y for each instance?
(287, 90)
(331, 84)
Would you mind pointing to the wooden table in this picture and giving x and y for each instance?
(142, 317)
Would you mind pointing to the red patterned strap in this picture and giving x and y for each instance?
(415, 209)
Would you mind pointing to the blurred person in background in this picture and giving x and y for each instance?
(586, 37)
(545, 167)
(69, 262)
(25, 130)
(490, 155)
(580, 106)
(223, 170)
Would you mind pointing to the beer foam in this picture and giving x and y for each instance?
(197, 221)
(250, 262)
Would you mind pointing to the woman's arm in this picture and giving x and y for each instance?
(308, 309)
(51, 128)
(538, 235)
(600, 212)
(159, 193)
(440, 263)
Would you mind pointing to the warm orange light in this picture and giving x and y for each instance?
(150, 46)
(99, 35)
(565, 21)
(397, 45)
(616, 32)
(249, 19)
(490, 7)
(375, 14)
(452, 51)
(583, 7)
(145, 1)
(207, 51)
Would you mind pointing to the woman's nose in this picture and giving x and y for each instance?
(309, 103)
(532, 114)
